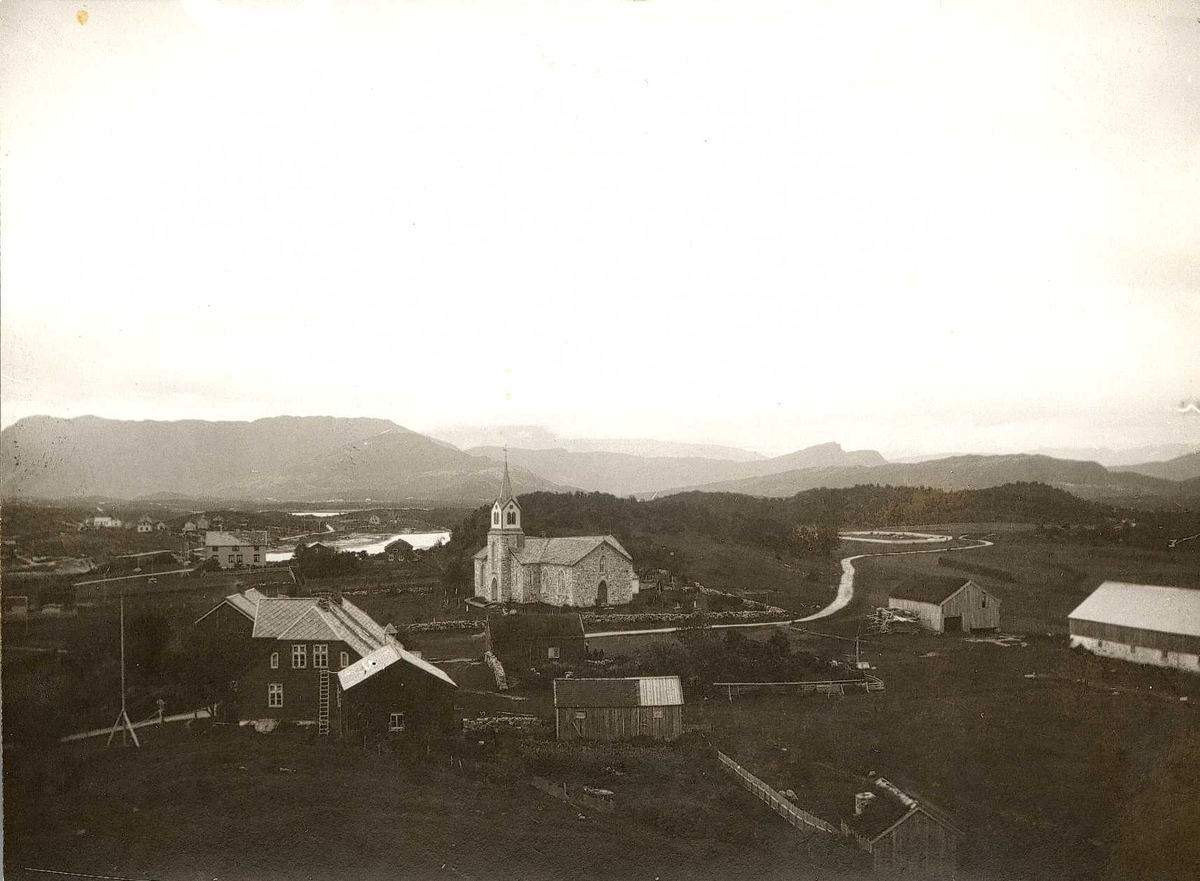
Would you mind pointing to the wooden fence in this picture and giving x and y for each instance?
(868, 685)
(793, 815)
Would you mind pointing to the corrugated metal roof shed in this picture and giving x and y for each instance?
(644, 691)
(382, 658)
(1144, 606)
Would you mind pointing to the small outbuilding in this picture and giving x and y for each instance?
(1143, 623)
(618, 709)
(393, 693)
(947, 604)
(522, 641)
(904, 836)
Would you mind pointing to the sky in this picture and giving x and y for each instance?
(910, 226)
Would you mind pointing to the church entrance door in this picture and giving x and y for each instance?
(602, 594)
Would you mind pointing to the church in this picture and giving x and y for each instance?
(589, 570)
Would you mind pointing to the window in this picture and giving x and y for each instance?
(231, 558)
(396, 722)
(299, 656)
(983, 602)
(580, 714)
(275, 694)
(321, 656)
(239, 558)
(345, 661)
(601, 564)
(495, 518)
(552, 652)
(256, 558)
(274, 660)
(512, 517)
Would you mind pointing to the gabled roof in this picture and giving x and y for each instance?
(382, 658)
(566, 551)
(526, 626)
(245, 603)
(307, 620)
(638, 691)
(213, 538)
(1145, 606)
(934, 589)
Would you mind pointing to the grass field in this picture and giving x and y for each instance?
(213, 803)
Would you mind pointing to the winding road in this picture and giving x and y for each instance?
(845, 591)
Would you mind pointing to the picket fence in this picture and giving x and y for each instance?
(801, 820)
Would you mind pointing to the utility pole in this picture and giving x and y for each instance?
(124, 716)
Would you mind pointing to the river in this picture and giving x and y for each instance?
(372, 544)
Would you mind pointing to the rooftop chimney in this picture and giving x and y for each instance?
(861, 800)
(323, 603)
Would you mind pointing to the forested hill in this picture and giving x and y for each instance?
(804, 524)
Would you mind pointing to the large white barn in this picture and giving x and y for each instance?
(1143, 623)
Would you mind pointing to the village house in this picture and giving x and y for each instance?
(618, 709)
(1142, 623)
(397, 550)
(201, 523)
(299, 646)
(105, 522)
(524, 641)
(576, 571)
(947, 604)
(189, 527)
(373, 520)
(233, 550)
(145, 524)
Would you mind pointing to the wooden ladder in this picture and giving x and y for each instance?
(323, 705)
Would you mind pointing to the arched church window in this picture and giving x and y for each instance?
(495, 518)
(512, 516)
(601, 563)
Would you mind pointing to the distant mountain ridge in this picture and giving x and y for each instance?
(537, 437)
(278, 457)
(1184, 467)
(1088, 480)
(624, 474)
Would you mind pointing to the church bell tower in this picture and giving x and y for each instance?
(504, 538)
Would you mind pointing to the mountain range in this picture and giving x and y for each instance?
(328, 458)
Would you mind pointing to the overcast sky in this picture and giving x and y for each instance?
(913, 226)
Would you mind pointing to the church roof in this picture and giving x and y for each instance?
(564, 551)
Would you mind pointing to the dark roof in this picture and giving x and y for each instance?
(928, 588)
(638, 691)
(523, 626)
(397, 545)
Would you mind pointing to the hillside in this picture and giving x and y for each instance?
(535, 437)
(1088, 480)
(624, 473)
(1184, 467)
(281, 457)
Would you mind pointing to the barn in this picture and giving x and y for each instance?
(947, 604)
(392, 693)
(618, 709)
(1143, 623)
(522, 641)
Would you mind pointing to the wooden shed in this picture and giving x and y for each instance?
(904, 836)
(1142, 623)
(618, 709)
(522, 641)
(393, 693)
(947, 604)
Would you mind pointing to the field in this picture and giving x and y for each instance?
(212, 802)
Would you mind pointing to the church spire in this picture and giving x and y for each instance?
(506, 492)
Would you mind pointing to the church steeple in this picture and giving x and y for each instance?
(506, 493)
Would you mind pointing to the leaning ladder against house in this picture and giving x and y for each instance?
(323, 706)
